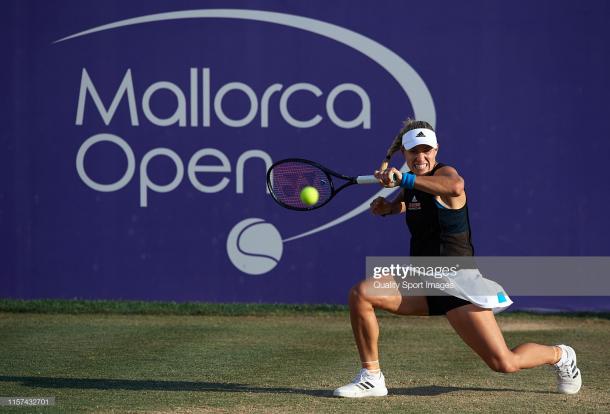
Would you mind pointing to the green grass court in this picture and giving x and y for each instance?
(118, 357)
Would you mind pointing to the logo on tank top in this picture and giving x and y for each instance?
(414, 204)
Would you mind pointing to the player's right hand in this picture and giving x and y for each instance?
(380, 207)
(389, 177)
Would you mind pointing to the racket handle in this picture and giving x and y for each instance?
(370, 179)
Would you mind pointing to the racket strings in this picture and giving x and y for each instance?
(289, 178)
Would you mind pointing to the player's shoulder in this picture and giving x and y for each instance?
(445, 169)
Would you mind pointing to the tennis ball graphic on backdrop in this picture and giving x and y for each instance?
(254, 246)
(309, 195)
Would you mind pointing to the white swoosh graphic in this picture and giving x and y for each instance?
(361, 208)
(413, 85)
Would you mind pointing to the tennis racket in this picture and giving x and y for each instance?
(286, 179)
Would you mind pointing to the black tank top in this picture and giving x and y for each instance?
(435, 229)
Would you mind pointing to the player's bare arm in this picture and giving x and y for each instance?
(383, 207)
(445, 183)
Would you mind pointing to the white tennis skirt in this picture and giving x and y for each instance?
(470, 285)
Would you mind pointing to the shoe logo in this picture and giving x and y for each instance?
(365, 385)
(420, 135)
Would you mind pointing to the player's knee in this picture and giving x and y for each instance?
(505, 364)
(358, 293)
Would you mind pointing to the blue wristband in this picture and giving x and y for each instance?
(408, 181)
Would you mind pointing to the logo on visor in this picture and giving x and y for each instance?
(421, 134)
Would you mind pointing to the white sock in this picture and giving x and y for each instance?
(564, 357)
(374, 373)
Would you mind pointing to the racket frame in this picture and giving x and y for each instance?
(361, 179)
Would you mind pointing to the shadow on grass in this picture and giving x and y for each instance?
(153, 385)
(160, 385)
(433, 390)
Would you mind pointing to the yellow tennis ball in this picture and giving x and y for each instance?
(309, 195)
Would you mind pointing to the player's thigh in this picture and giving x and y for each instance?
(479, 330)
(382, 294)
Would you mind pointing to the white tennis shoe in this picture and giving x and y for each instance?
(569, 379)
(364, 385)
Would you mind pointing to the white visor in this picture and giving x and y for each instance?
(419, 136)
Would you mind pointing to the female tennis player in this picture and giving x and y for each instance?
(434, 201)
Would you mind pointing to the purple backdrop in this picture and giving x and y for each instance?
(517, 91)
